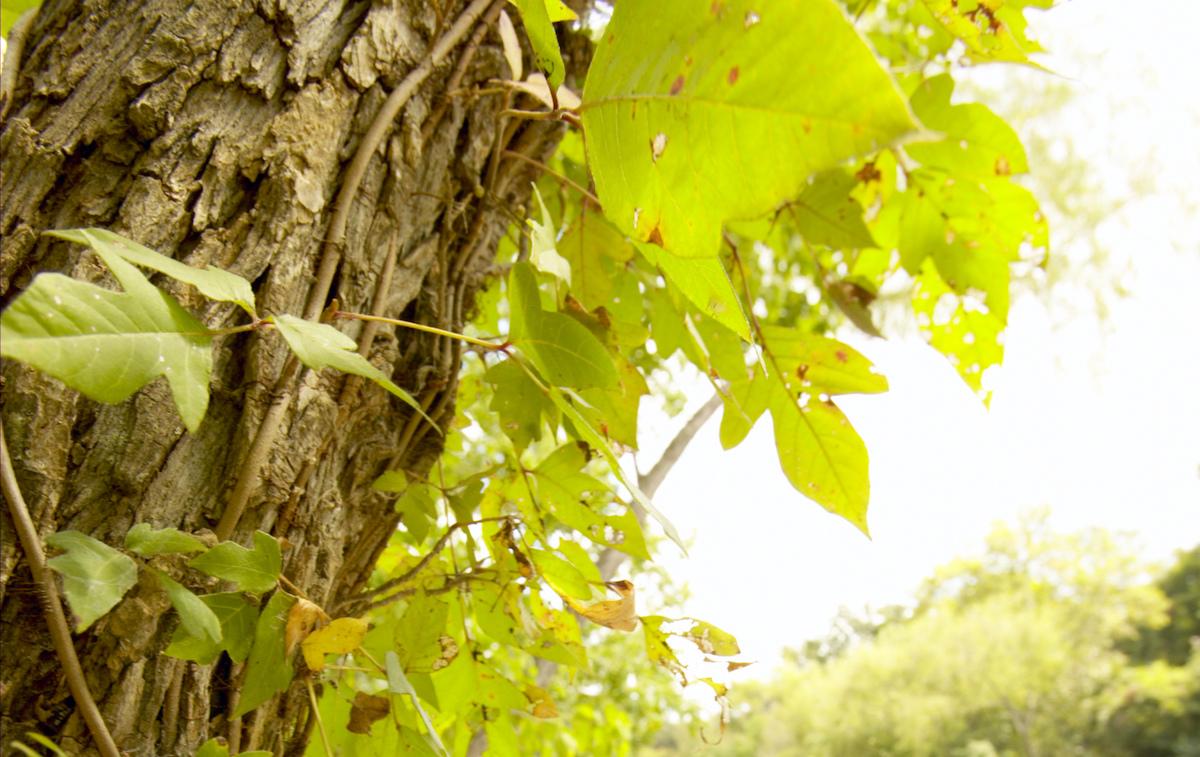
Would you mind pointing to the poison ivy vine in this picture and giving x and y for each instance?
(740, 178)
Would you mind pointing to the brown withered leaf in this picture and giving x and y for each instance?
(541, 705)
(366, 709)
(620, 614)
(302, 619)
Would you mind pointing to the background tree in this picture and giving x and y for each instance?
(1018, 651)
(356, 161)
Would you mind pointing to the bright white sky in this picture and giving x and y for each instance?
(1101, 421)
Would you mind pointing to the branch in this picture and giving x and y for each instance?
(56, 619)
(366, 150)
(611, 559)
(411, 573)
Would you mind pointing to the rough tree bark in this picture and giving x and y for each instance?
(219, 132)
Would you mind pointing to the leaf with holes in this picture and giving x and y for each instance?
(109, 344)
(319, 345)
(212, 282)
(253, 570)
(95, 576)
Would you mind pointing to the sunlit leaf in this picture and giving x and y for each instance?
(542, 37)
(95, 576)
(696, 115)
(561, 348)
(977, 142)
(825, 213)
(620, 614)
(991, 30)
(543, 240)
(340, 636)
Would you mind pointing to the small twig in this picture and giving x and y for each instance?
(336, 236)
(13, 51)
(293, 588)
(422, 327)
(411, 573)
(260, 448)
(551, 172)
(56, 619)
(312, 698)
(558, 114)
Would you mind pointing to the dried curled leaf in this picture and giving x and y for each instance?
(620, 614)
(302, 619)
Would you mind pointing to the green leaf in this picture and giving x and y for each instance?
(418, 508)
(419, 635)
(978, 142)
(212, 282)
(520, 403)
(253, 570)
(562, 349)
(967, 333)
(108, 344)
(821, 453)
(588, 433)
(595, 251)
(268, 670)
(237, 617)
(825, 213)
(214, 748)
(399, 684)
(615, 411)
(543, 237)
(568, 492)
(391, 481)
(95, 576)
(147, 541)
(705, 282)
(195, 616)
(543, 38)
(319, 345)
(695, 115)
(562, 576)
(819, 364)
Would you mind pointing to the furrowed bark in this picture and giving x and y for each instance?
(221, 132)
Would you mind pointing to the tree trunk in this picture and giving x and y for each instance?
(219, 132)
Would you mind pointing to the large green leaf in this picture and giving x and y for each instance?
(319, 345)
(695, 114)
(237, 617)
(268, 670)
(212, 282)
(562, 349)
(705, 282)
(110, 344)
(95, 576)
(253, 570)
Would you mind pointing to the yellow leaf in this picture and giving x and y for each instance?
(542, 705)
(302, 619)
(339, 637)
(620, 614)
